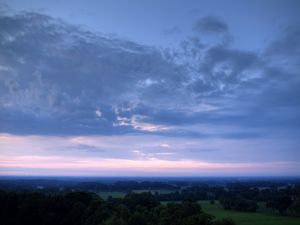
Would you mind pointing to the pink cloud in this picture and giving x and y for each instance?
(156, 166)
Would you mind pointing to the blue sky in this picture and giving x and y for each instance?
(150, 88)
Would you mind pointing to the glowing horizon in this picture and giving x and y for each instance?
(38, 160)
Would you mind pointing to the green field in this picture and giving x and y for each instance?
(114, 194)
(244, 218)
(160, 191)
(117, 194)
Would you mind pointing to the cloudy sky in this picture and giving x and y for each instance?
(150, 88)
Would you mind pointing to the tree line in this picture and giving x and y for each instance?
(280, 196)
(86, 208)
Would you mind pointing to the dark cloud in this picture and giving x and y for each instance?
(288, 44)
(238, 59)
(222, 68)
(285, 50)
(56, 78)
(210, 25)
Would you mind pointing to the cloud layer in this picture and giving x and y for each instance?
(58, 79)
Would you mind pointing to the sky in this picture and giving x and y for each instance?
(150, 88)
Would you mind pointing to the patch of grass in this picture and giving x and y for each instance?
(114, 194)
(245, 218)
(166, 202)
(118, 194)
(160, 191)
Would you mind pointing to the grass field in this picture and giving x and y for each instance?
(114, 194)
(160, 191)
(244, 218)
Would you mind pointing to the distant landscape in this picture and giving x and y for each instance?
(231, 200)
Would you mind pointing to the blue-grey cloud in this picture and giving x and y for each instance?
(57, 78)
(210, 25)
(87, 148)
(288, 44)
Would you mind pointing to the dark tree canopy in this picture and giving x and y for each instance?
(84, 208)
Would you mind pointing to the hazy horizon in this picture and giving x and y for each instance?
(150, 88)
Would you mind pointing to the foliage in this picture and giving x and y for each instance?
(239, 204)
(84, 208)
(282, 204)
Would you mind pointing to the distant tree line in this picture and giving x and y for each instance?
(282, 197)
(242, 197)
(84, 208)
(67, 185)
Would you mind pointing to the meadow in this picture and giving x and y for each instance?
(114, 194)
(119, 194)
(248, 218)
